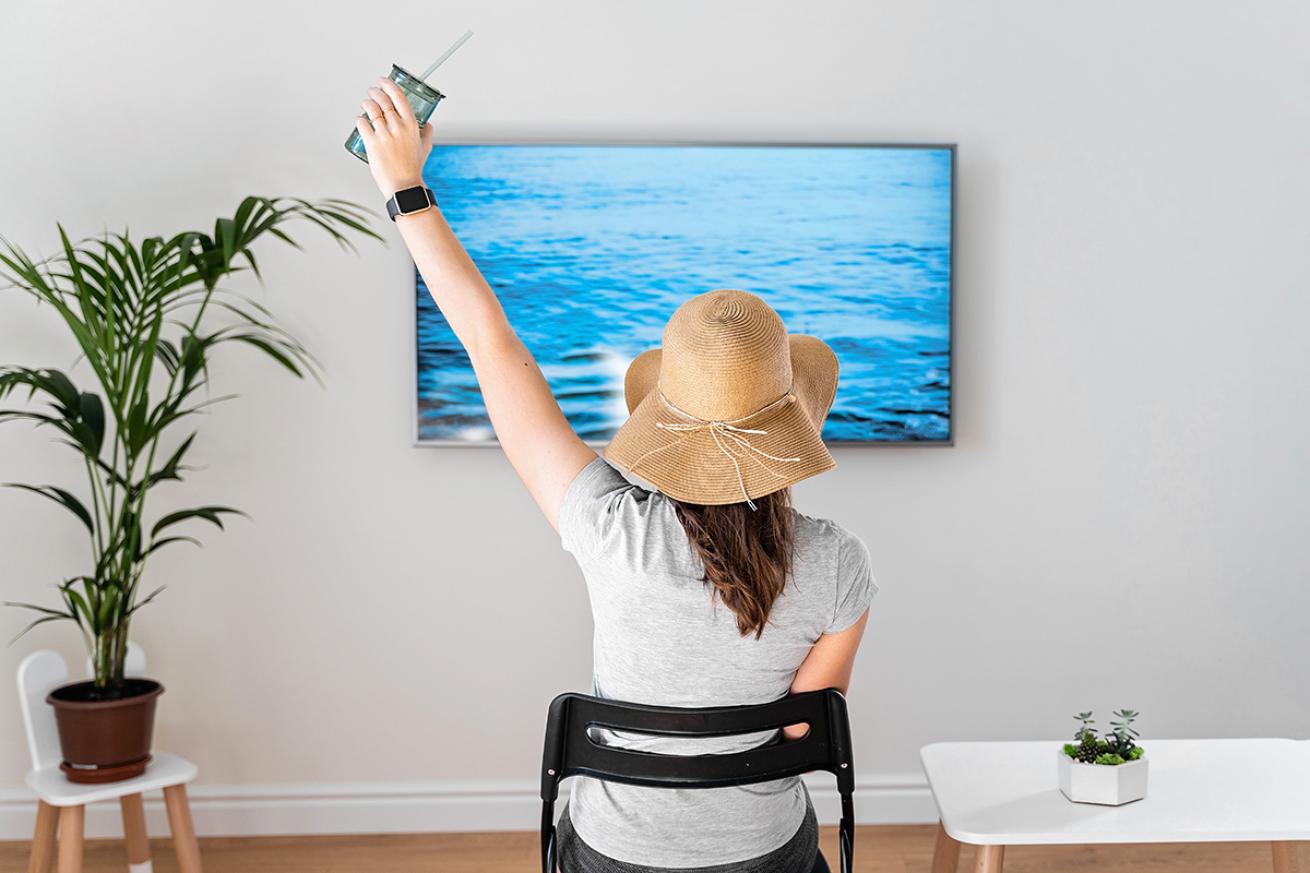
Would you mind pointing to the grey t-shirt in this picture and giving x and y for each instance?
(662, 639)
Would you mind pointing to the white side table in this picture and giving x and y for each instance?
(994, 795)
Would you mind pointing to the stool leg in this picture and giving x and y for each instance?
(43, 839)
(1288, 858)
(134, 833)
(184, 833)
(946, 855)
(990, 859)
(71, 820)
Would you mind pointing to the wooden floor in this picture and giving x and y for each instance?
(879, 849)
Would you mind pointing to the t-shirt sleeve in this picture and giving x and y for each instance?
(855, 584)
(589, 507)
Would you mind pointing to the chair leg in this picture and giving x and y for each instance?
(184, 833)
(946, 854)
(1288, 858)
(71, 821)
(134, 833)
(990, 859)
(43, 839)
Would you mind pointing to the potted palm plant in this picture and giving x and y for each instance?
(146, 316)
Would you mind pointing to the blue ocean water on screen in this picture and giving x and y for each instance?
(591, 248)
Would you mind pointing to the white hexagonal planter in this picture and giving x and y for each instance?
(1107, 784)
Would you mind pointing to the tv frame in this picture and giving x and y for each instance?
(950, 147)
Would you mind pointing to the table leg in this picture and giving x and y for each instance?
(43, 839)
(946, 854)
(71, 821)
(134, 833)
(184, 834)
(1288, 857)
(990, 859)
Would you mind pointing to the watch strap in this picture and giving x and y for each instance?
(393, 204)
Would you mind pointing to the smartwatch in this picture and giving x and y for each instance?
(410, 200)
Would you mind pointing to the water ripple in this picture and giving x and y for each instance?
(591, 248)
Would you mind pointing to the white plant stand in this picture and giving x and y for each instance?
(61, 805)
(994, 795)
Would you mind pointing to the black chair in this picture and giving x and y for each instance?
(570, 751)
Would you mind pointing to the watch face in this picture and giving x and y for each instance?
(412, 200)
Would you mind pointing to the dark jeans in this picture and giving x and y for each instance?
(800, 854)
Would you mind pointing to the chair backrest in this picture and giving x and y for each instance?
(570, 749)
(39, 674)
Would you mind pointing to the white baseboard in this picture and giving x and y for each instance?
(262, 810)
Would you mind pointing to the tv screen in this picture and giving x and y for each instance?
(591, 248)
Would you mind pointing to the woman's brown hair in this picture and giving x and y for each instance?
(747, 553)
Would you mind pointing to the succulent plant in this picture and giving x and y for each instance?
(1117, 746)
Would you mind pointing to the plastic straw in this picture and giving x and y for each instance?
(446, 55)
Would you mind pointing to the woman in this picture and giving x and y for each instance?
(711, 590)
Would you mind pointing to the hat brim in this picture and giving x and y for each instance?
(689, 465)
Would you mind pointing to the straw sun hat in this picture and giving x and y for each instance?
(730, 408)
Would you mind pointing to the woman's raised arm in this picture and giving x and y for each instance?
(531, 427)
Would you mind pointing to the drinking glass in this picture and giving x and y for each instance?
(423, 99)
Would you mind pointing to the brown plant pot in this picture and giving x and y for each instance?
(105, 740)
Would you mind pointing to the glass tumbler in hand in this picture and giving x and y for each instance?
(423, 99)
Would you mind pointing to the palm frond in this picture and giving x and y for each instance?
(141, 312)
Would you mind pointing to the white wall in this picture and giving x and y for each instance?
(1122, 518)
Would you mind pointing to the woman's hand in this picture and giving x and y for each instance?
(397, 148)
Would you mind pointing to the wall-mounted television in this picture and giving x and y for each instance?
(591, 248)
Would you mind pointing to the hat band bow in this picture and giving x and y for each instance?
(728, 436)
